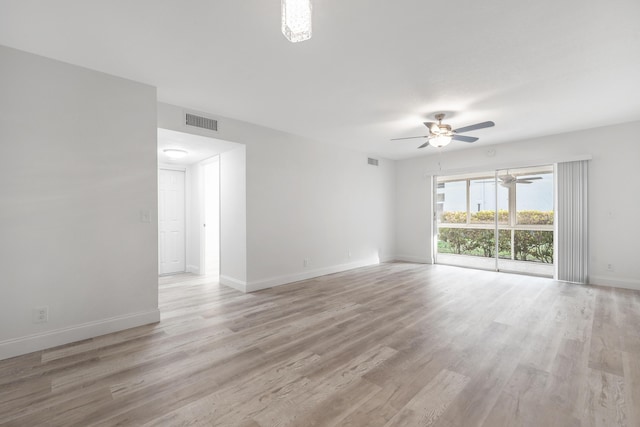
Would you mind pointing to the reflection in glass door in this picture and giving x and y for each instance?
(515, 205)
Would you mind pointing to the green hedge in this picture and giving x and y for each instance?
(535, 217)
(487, 217)
(468, 241)
(456, 217)
(536, 245)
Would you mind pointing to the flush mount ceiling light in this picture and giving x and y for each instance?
(174, 153)
(296, 20)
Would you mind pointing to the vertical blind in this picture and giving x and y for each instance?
(573, 256)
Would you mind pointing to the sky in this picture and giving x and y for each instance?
(535, 196)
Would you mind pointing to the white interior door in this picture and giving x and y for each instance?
(171, 221)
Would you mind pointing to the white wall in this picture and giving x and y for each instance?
(78, 166)
(233, 218)
(304, 200)
(211, 213)
(313, 201)
(413, 212)
(613, 193)
(193, 220)
(195, 198)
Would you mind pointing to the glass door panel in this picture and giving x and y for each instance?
(527, 237)
(466, 209)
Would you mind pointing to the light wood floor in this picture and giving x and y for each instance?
(396, 344)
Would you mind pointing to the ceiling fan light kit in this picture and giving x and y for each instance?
(296, 20)
(440, 135)
(440, 141)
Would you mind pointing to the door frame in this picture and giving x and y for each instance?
(512, 213)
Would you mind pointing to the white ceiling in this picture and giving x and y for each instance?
(198, 148)
(374, 70)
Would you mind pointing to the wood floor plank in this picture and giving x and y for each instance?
(323, 391)
(521, 400)
(374, 411)
(392, 344)
(631, 364)
(569, 377)
(606, 403)
(233, 406)
(430, 403)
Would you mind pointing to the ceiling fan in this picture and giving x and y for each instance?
(509, 180)
(442, 134)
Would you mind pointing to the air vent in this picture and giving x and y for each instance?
(373, 162)
(201, 122)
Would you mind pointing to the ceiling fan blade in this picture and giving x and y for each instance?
(410, 137)
(465, 138)
(531, 178)
(474, 127)
(522, 181)
(424, 145)
(431, 126)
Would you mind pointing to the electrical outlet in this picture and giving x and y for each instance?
(349, 253)
(306, 262)
(609, 267)
(41, 315)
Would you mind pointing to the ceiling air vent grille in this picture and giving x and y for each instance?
(373, 162)
(201, 122)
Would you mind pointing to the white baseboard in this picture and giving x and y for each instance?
(239, 285)
(411, 258)
(310, 274)
(23, 345)
(193, 269)
(615, 282)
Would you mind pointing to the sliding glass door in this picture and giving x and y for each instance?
(499, 220)
(530, 224)
(466, 219)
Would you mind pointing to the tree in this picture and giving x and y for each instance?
(455, 237)
(537, 244)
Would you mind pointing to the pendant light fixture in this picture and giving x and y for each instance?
(296, 20)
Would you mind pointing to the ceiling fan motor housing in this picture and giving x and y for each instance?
(444, 129)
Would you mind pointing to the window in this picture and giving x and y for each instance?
(452, 202)
(534, 204)
(522, 199)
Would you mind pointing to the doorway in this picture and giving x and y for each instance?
(500, 220)
(205, 169)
